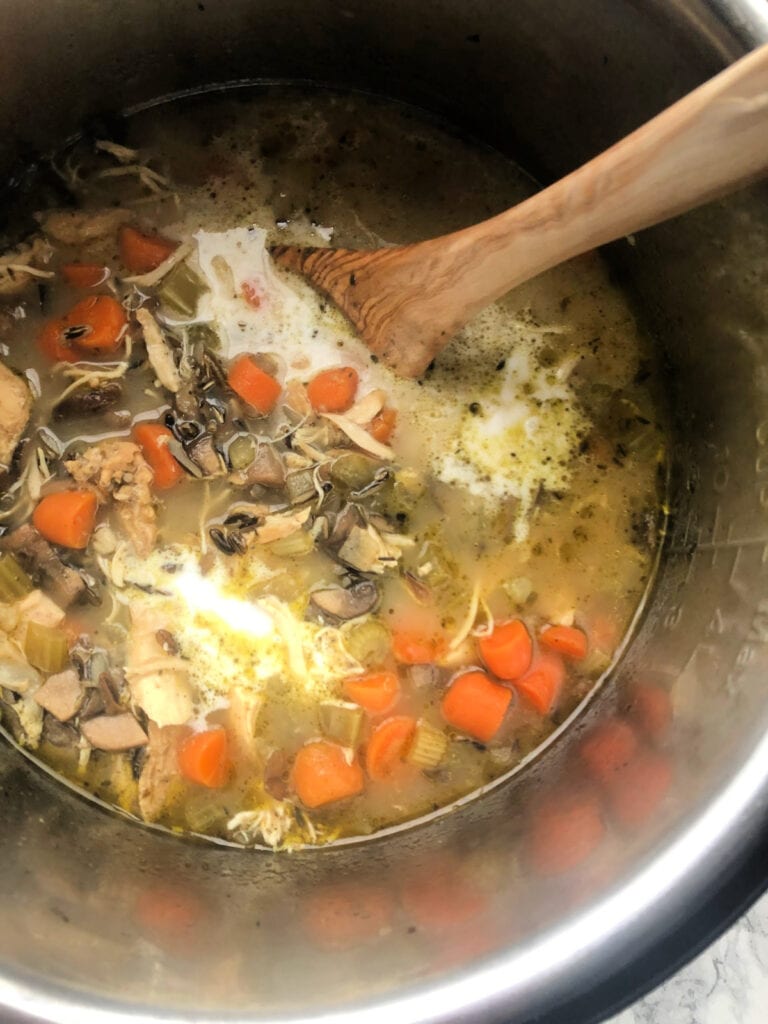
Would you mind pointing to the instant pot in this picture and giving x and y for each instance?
(549, 897)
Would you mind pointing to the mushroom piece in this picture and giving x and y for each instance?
(266, 469)
(349, 603)
(203, 453)
(61, 695)
(88, 401)
(64, 584)
(367, 551)
(114, 732)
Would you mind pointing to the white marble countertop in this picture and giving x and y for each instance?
(727, 984)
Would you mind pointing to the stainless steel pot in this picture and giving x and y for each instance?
(101, 919)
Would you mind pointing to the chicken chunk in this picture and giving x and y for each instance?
(118, 470)
(159, 681)
(15, 406)
(161, 769)
(78, 227)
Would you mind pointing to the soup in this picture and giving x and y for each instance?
(253, 585)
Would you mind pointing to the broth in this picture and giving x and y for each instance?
(308, 607)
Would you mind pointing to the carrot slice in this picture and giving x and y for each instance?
(153, 440)
(382, 426)
(95, 324)
(507, 650)
(204, 758)
(333, 390)
(414, 648)
(388, 745)
(253, 385)
(542, 684)
(375, 691)
(321, 774)
(566, 640)
(141, 253)
(84, 275)
(476, 705)
(608, 748)
(565, 830)
(66, 518)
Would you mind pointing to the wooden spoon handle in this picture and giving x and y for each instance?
(407, 302)
(712, 140)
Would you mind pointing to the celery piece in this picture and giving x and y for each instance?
(181, 290)
(241, 451)
(295, 545)
(14, 582)
(368, 642)
(427, 748)
(354, 470)
(341, 722)
(46, 648)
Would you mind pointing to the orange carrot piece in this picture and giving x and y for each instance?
(84, 275)
(651, 709)
(322, 775)
(542, 684)
(253, 385)
(608, 748)
(388, 745)
(508, 649)
(95, 324)
(53, 342)
(566, 640)
(204, 758)
(413, 648)
(636, 790)
(153, 440)
(333, 390)
(66, 518)
(476, 705)
(141, 253)
(565, 830)
(375, 691)
(383, 426)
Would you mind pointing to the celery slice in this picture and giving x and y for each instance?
(14, 582)
(341, 722)
(46, 648)
(181, 290)
(428, 747)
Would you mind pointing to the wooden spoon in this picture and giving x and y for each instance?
(408, 301)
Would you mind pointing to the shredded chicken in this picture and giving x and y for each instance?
(18, 267)
(15, 406)
(360, 436)
(118, 470)
(272, 823)
(160, 355)
(281, 525)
